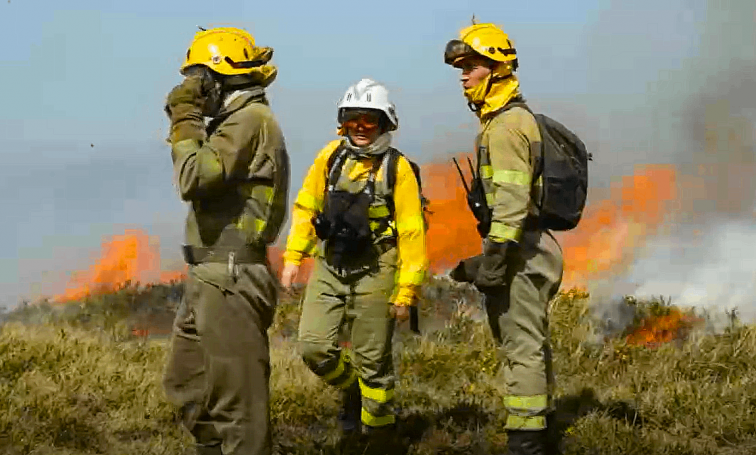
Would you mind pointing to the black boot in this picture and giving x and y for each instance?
(523, 442)
(385, 440)
(351, 408)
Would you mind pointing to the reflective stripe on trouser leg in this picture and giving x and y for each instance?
(377, 405)
(339, 373)
(526, 412)
(519, 316)
(372, 331)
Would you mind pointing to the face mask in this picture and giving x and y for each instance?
(494, 91)
(477, 93)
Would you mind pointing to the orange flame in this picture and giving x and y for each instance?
(655, 331)
(127, 258)
(603, 242)
(452, 235)
(612, 229)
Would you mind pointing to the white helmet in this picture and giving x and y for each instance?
(368, 94)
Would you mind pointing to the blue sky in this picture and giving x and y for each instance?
(83, 85)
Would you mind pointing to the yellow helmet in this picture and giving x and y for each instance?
(486, 40)
(226, 50)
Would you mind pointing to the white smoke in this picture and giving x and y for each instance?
(717, 274)
(707, 259)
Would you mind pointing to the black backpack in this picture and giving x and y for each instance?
(563, 164)
(391, 176)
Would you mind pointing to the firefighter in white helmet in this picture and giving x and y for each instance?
(359, 215)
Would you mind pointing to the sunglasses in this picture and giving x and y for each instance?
(367, 120)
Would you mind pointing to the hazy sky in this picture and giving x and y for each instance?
(83, 85)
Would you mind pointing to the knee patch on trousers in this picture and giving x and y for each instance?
(337, 371)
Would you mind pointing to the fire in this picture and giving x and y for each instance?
(127, 258)
(605, 240)
(452, 235)
(658, 330)
(612, 229)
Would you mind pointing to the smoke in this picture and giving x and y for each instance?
(716, 131)
(707, 112)
(725, 281)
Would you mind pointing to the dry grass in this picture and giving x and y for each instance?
(77, 382)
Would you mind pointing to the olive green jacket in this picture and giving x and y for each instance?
(234, 172)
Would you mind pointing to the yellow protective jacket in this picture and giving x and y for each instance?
(506, 166)
(408, 219)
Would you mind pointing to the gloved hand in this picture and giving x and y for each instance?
(189, 92)
(467, 269)
(184, 106)
(493, 267)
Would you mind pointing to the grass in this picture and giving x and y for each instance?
(75, 380)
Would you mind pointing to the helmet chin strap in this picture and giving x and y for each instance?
(475, 108)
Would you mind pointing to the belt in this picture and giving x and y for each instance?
(250, 255)
(380, 248)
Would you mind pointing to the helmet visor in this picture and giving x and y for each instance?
(366, 118)
(456, 49)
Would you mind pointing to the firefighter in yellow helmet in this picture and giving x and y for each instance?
(521, 267)
(234, 173)
(359, 214)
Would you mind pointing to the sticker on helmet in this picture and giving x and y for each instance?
(215, 53)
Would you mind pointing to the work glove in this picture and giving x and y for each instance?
(493, 267)
(467, 269)
(192, 91)
(184, 105)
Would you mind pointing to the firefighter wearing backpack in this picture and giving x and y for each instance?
(359, 213)
(520, 269)
(234, 174)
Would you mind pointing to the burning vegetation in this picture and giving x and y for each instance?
(125, 259)
(610, 399)
(604, 243)
(655, 330)
(692, 399)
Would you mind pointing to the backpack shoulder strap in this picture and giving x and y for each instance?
(539, 158)
(334, 165)
(393, 165)
(391, 169)
(518, 104)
